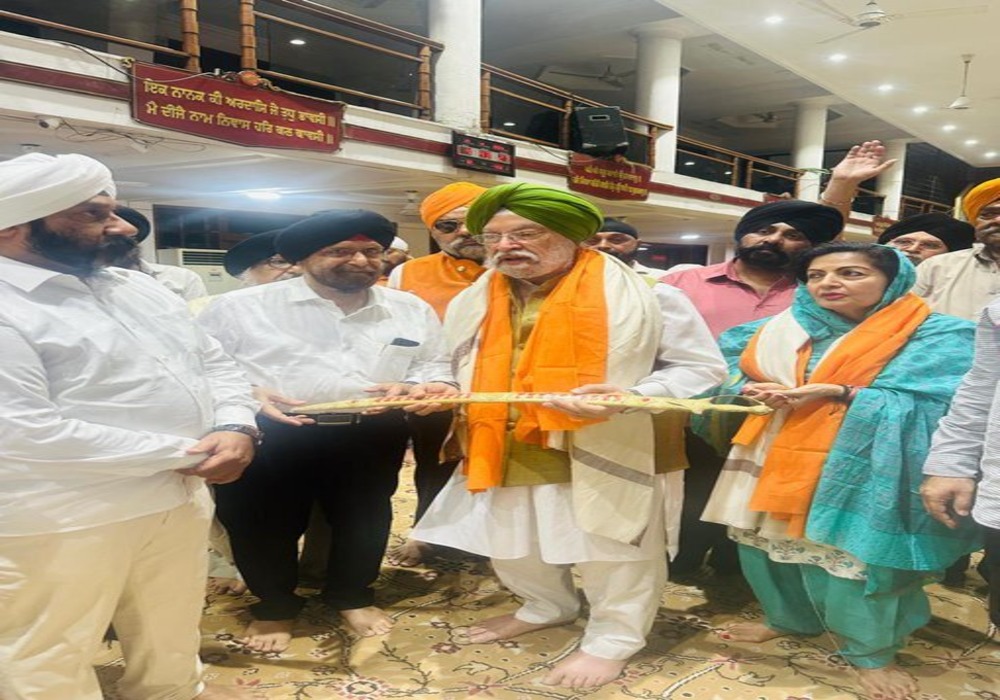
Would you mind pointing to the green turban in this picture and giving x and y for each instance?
(563, 212)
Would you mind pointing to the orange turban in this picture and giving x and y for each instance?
(453, 196)
(978, 197)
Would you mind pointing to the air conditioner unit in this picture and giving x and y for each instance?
(206, 263)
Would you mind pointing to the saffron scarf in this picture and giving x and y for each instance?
(567, 348)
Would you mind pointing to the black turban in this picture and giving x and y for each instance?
(615, 226)
(819, 223)
(326, 228)
(955, 234)
(137, 219)
(250, 251)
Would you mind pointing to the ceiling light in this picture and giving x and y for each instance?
(689, 162)
(774, 19)
(960, 102)
(948, 127)
(920, 109)
(885, 87)
(990, 154)
(971, 142)
(728, 172)
(690, 236)
(263, 195)
(837, 57)
(510, 123)
(297, 42)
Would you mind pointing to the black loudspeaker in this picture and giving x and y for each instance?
(597, 131)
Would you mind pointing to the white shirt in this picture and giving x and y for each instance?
(967, 441)
(179, 280)
(689, 361)
(302, 346)
(959, 283)
(104, 383)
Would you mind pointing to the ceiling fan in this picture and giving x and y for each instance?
(963, 101)
(608, 76)
(872, 16)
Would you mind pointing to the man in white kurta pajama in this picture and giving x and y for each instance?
(543, 488)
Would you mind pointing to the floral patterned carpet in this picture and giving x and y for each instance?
(424, 657)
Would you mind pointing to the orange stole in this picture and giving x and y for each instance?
(794, 463)
(567, 348)
(437, 278)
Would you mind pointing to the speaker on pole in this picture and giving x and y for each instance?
(598, 131)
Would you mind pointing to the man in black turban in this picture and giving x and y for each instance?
(254, 260)
(327, 336)
(926, 235)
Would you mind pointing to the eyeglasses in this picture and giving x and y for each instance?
(614, 239)
(278, 263)
(448, 225)
(372, 253)
(513, 237)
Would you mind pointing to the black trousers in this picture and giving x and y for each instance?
(991, 571)
(699, 539)
(430, 474)
(351, 471)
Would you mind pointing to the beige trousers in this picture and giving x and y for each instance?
(59, 592)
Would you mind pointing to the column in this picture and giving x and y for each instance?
(809, 144)
(458, 25)
(658, 86)
(890, 183)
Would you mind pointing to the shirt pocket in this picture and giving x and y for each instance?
(393, 363)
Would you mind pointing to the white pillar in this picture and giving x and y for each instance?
(658, 87)
(810, 142)
(890, 183)
(458, 25)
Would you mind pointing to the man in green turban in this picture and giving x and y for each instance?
(544, 487)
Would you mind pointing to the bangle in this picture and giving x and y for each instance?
(824, 200)
(847, 393)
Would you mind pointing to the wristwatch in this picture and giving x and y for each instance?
(250, 430)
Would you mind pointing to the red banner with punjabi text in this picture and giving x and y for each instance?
(225, 110)
(609, 178)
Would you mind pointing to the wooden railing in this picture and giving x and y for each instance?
(190, 46)
(911, 206)
(867, 201)
(708, 162)
(527, 110)
(380, 43)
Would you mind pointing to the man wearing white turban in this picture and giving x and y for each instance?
(115, 410)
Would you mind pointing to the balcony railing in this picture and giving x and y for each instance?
(708, 162)
(911, 206)
(186, 26)
(364, 62)
(527, 110)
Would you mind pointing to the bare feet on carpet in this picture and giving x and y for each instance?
(368, 622)
(219, 585)
(749, 632)
(887, 683)
(217, 692)
(495, 629)
(268, 636)
(410, 553)
(581, 670)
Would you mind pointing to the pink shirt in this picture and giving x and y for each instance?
(724, 300)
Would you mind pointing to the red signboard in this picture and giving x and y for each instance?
(609, 178)
(225, 110)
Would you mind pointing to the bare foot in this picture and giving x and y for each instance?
(749, 632)
(368, 622)
(219, 585)
(268, 635)
(887, 683)
(410, 553)
(217, 692)
(581, 670)
(502, 627)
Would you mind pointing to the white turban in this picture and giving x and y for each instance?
(35, 185)
(399, 244)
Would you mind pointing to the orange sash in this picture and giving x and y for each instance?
(438, 278)
(567, 348)
(794, 462)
